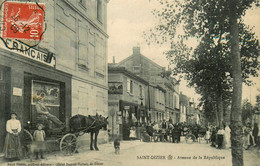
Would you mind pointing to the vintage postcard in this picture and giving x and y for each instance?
(129, 83)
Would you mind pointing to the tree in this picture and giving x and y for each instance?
(208, 20)
(208, 68)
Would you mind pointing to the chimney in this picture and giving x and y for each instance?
(136, 50)
(114, 60)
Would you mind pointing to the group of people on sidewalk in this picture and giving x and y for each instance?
(13, 149)
(251, 136)
(219, 136)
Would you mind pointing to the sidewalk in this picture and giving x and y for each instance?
(84, 153)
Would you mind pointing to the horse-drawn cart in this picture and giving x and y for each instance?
(67, 139)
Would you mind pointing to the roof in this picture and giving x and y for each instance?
(120, 69)
(129, 57)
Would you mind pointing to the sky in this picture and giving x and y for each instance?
(128, 19)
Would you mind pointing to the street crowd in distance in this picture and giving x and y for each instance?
(217, 137)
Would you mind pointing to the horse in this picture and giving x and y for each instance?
(80, 124)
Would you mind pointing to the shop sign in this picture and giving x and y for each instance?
(17, 91)
(115, 88)
(26, 51)
(127, 107)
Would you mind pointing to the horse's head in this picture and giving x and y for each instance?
(102, 121)
(105, 122)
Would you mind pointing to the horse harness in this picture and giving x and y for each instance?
(92, 126)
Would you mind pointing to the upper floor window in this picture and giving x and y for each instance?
(136, 69)
(141, 90)
(130, 86)
(99, 10)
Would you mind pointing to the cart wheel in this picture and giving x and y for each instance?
(68, 144)
(190, 138)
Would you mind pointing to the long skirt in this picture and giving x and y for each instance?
(12, 147)
(220, 141)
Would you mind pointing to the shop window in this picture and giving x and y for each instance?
(99, 11)
(45, 97)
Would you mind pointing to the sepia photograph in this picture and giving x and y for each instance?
(129, 82)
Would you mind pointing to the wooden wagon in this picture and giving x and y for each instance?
(66, 138)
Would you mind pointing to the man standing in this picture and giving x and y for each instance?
(164, 127)
(255, 133)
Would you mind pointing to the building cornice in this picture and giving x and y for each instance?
(89, 82)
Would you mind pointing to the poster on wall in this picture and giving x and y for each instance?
(115, 88)
(50, 92)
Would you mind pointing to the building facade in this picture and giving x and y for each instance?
(74, 81)
(163, 101)
(127, 100)
(172, 107)
(185, 114)
(156, 103)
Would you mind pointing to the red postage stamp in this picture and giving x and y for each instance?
(23, 20)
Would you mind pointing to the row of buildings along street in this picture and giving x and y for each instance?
(141, 91)
(67, 74)
(76, 78)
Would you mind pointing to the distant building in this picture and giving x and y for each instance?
(156, 103)
(195, 113)
(127, 96)
(185, 114)
(163, 101)
(172, 108)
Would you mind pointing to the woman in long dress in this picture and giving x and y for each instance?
(227, 136)
(12, 147)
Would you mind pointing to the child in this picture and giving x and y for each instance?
(117, 145)
(207, 136)
(39, 136)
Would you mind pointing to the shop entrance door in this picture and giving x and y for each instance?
(2, 117)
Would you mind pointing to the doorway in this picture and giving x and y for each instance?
(2, 116)
(4, 102)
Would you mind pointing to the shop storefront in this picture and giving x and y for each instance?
(132, 115)
(22, 79)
